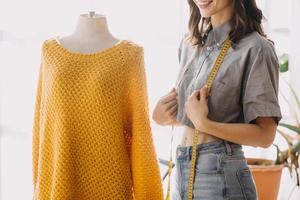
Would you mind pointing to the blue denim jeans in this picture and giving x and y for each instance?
(221, 173)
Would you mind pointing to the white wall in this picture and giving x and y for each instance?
(295, 47)
(283, 28)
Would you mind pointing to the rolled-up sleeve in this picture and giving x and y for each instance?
(261, 84)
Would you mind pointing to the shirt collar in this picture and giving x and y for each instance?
(218, 34)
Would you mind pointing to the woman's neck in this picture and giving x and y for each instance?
(222, 16)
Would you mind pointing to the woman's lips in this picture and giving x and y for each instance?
(204, 4)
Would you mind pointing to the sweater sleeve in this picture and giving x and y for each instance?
(144, 164)
(36, 127)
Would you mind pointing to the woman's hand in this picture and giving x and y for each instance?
(196, 107)
(165, 110)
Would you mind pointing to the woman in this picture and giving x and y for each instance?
(242, 108)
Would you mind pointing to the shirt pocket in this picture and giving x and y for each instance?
(223, 100)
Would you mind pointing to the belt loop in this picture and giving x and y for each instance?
(189, 152)
(228, 148)
(178, 153)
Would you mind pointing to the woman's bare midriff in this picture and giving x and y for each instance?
(188, 135)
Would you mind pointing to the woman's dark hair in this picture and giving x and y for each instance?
(247, 18)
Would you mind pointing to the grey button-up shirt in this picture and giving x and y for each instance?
(246, 85)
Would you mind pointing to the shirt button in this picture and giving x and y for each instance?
(208, 48)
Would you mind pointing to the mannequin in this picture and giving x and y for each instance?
(91, 35)
(91, 134)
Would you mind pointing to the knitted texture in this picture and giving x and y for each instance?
(91, 133)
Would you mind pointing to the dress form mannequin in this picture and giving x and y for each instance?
(91, 35)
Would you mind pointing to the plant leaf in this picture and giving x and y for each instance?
(296, 147)
(286, 136)
(284, 63)
(295, 95)
(277, 161)
(291, 127)
(290, 105)
(294, 111)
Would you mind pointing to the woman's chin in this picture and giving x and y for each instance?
(206, 14)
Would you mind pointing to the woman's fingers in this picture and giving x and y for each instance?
(173, 109)
(173, 116)
(195, 95)
(168, 97)
(171, 91)
(170, 104)
(172, 113)
(166, 109)
(203, 94)
(200, 94)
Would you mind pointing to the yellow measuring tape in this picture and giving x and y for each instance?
(209, 81)
(212, 75)
(170, 167)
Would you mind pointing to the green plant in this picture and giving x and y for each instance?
(290, 157)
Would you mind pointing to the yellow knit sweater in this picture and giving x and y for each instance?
(91, 134)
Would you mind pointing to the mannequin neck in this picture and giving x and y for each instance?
(90, 27)
(90, 35)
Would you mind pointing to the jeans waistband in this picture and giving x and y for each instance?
(215, 146)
